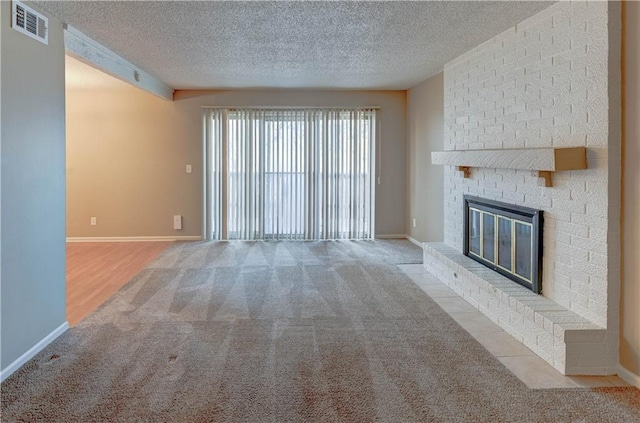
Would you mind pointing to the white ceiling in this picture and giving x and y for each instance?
(284, 44)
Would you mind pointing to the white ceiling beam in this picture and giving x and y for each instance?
(95, 54)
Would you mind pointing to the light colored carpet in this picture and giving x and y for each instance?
(284, 332)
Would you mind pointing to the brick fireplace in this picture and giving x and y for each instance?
(552, 81)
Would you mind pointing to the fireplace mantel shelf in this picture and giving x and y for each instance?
(545, 161)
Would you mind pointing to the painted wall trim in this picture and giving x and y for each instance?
(133, 238)
(391, 236)
(627, 376)
(95, 54)
(400, 236)
(414, 241)
(20, 361)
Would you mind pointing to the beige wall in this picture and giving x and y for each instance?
(33, 187)
(425, 181)
(127, 151)
(630, 330)
(126, 159)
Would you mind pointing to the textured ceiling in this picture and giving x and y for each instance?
(282, 44)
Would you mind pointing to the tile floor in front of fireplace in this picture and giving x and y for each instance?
(520, 360)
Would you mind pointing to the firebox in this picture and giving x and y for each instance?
(506, 238)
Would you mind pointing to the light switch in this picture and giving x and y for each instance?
(188, 168)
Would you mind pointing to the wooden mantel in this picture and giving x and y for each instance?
(543, 160)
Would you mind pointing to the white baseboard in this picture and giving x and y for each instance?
(628, 377)
(400, 236)
(414, 241)
(19, 362)
(133, 238)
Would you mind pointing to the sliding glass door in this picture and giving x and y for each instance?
(290, 174)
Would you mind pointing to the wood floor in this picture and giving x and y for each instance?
(96, 270)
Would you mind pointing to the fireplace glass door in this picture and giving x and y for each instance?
(522, 250)
(502, 241)
(506, 240)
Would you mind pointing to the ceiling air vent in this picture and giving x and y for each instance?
(30, 22)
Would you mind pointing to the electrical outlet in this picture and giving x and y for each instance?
(177, 222)
(189, 169)
(414, 222)
(94, 221)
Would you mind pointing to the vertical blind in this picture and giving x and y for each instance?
(290, 174)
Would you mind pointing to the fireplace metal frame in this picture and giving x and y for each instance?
(524, 214)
